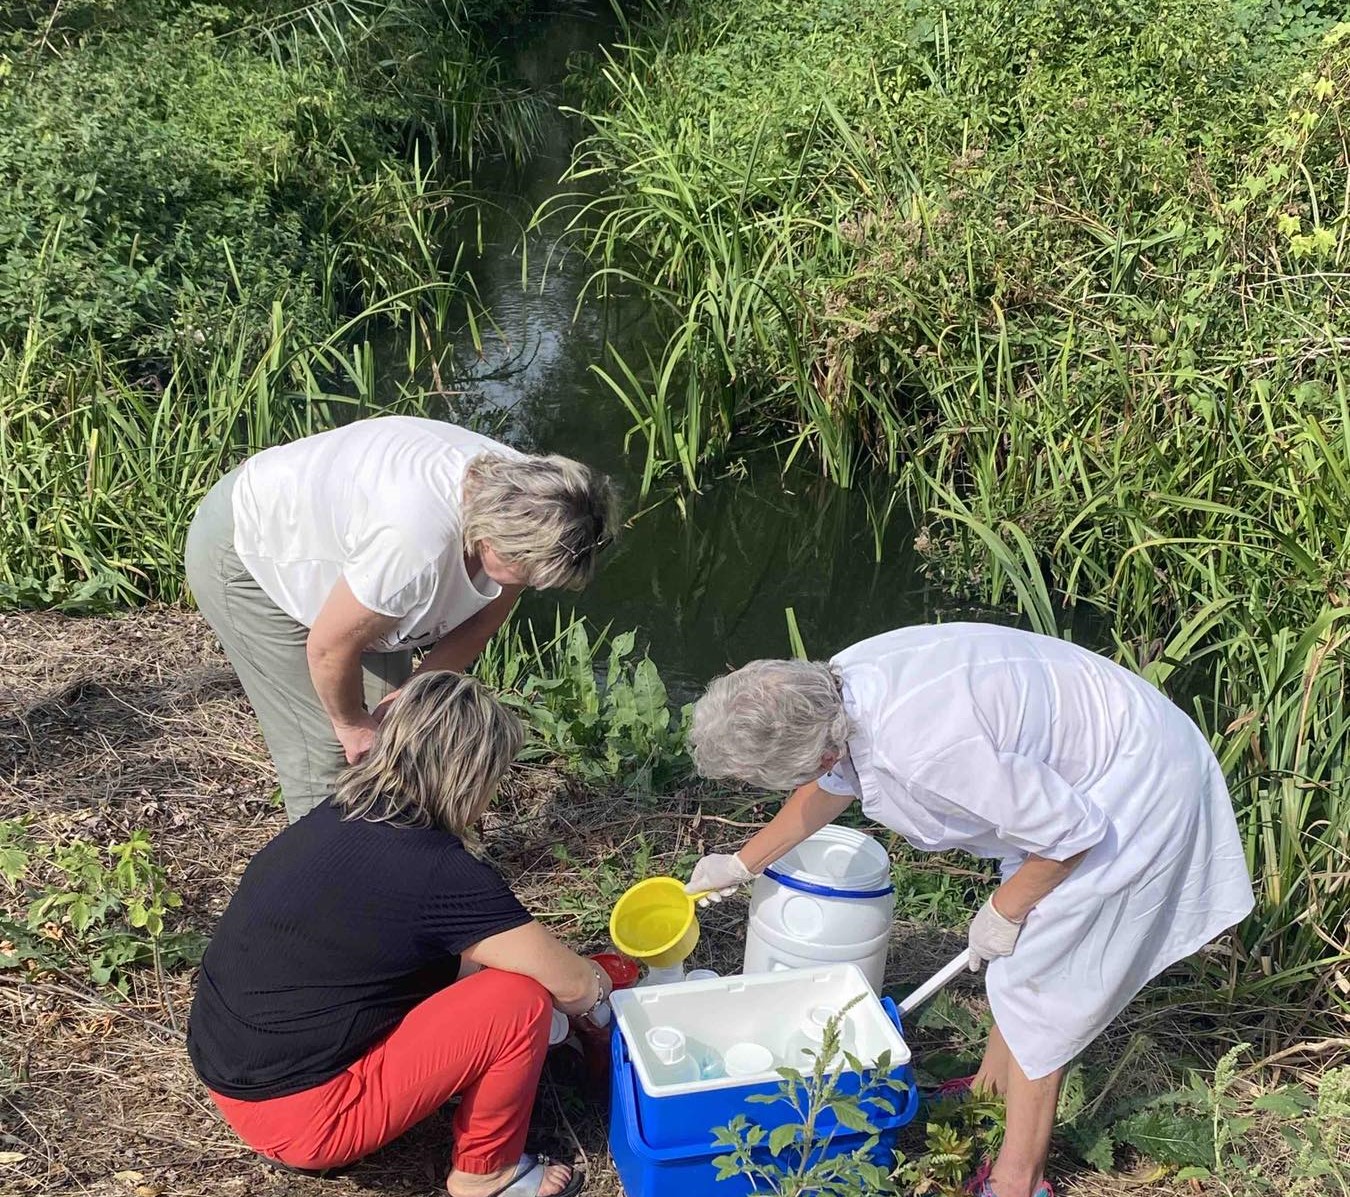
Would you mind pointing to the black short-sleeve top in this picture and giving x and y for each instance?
(338, 929)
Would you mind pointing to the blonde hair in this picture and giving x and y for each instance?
(441, 752)
(770, 723)
(550, 516)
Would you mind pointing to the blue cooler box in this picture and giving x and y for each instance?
(683, 1167)
(718, 1012)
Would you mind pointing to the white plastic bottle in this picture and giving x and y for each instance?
(674, 1065)
(807, 1043)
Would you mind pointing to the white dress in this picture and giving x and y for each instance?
(1005, 743)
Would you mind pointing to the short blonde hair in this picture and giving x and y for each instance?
(550, 516)
(440, 754)
(770, 723)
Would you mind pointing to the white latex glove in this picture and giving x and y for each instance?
(991, 936)
(720, 875)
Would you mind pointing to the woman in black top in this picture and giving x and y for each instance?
(371, 965)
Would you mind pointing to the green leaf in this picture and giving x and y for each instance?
(1169, 1137)
(1193, 1173)
(783, 1136)
(1095, 1145)
(851, 1116)
(13, 864)
(1287, 1102)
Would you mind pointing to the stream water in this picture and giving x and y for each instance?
(706, 586)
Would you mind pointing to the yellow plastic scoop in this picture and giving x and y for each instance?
(654, 922)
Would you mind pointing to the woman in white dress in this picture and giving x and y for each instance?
(323, 564)
(1119, 850)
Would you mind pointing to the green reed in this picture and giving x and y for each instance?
(102, 469)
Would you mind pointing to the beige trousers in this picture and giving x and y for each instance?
(267, 649)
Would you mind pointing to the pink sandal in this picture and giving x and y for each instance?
(979, 1186)
(958, 1087)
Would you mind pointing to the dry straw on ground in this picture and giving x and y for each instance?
(108, 725)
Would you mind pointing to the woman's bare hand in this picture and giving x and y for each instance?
(356, 738)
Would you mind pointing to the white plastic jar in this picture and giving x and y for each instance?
(828, 901)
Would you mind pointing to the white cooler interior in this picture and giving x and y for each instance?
(765, 1008)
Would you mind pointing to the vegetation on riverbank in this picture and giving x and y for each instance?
(133, 781)
(1074, 275)
(208, 215)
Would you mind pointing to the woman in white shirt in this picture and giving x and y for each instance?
(323, 564)
(1119, 851)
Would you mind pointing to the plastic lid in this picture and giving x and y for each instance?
(558, 1029)
(701, 974)
(747, 1059)
(839, 859)
(667, 1044)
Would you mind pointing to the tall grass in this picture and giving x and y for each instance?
(1074, 276)
(209, 216)
(102, 469)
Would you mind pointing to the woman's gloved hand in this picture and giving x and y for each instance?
(719, 875)
(991, 935)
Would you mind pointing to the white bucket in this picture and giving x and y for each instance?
(828, 901)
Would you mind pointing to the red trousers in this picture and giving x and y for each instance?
(484, 1037)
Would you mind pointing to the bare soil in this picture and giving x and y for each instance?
(112, 724)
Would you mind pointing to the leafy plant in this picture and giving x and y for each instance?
(1202, 1130)
(98, 911)
(167, 164)
(958, 1135)
(795, 1158)
(607, 715)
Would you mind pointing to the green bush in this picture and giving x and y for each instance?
(166, 165)
(207, 215)
(843, 204)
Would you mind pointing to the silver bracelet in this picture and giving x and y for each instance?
(599, 993)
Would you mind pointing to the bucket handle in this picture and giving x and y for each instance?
(825, 891)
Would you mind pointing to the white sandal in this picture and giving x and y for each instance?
(528, 1179)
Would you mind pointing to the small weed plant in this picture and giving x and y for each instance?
(77, 909)
(1203, 1130)
(592, 702)
(802, 1155)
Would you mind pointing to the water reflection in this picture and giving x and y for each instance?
(707, 581)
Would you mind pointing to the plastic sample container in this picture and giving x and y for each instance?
(828, 901)
(765, 1009)
(647, 1169)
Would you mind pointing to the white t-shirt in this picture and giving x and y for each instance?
(376, 502)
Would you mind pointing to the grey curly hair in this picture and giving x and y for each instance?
(770, 723)
(549, 515)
